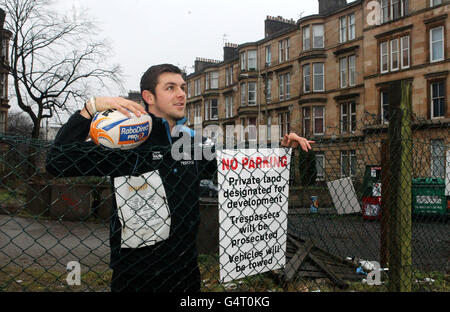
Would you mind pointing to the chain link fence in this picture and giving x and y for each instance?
(325, 215)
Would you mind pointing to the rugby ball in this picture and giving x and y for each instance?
(112, 129)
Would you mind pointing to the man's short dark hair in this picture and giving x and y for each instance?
(150, 79)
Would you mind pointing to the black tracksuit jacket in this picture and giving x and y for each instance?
(72, 156)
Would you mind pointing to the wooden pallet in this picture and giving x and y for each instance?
(306, 260)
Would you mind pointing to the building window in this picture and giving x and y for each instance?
(288, 86)
(319, 77)
(306, 38)
(306, 78)
(229, 135)
(229, 76)
(242, 130)
(405, 52)
(384, 107)
(318, 37)
(3, 86)
(4, 50)
(320, 166)
(351, 27)
(395, 54)
(281, 87)
(347, 69)
(268, 90)
(197, 87)
(269, 127)
(252, 60)
(214, 109)
(306, 121)
(343, 71)
(211, 110)
(189, 89)
(284, 86)
(268, 56)
(188, 115)
(243, 61)
(252, 133)
(348, 164)
(2, 122)
(206, 111)
(243, 94)
(287, 122)
(281, 125)
(352, 70)
(437, 44)
(438, 159)
(215, 80)
(347, 28)
(319, 120)
(229, 110)
(437, 93)
(283, 50)
(197, 114)
(393, 9)
(343, 29)
(348, 117)
(435, 2)
(384, 57)
(252, 93)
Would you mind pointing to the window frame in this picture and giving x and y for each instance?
(252, 59)
(431, 44)
(307, 78)
(243, 94)
(268, 53)
(322, 27)
(441, 159)
(314, 118)
(397, 52)
(306, 129)
(321, 169)
(402, 50)
(383, 111)
(254, 92)
(320, 75)
(432, 98)
(306, 38)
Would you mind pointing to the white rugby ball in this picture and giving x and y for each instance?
(113, 129)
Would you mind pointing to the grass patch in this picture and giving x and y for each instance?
(14, 279)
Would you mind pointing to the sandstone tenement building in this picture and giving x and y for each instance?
(326, 76)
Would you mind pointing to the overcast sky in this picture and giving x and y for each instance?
(149, 32)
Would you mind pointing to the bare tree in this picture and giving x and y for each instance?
(19, 124)
(55, 60)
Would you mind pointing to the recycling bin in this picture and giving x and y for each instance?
(429, 196)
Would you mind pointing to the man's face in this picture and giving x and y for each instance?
(170, 100)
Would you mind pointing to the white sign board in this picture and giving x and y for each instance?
(447, 176)
(253, 208)
(344, 196)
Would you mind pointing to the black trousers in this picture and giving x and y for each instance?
(187, 280)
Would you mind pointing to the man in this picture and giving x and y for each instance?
(153, 228)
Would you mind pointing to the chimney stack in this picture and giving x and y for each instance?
(203, 63)
(229, 51)
(329, 6)
(274, 25)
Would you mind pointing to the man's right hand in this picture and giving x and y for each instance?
(123, 105)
